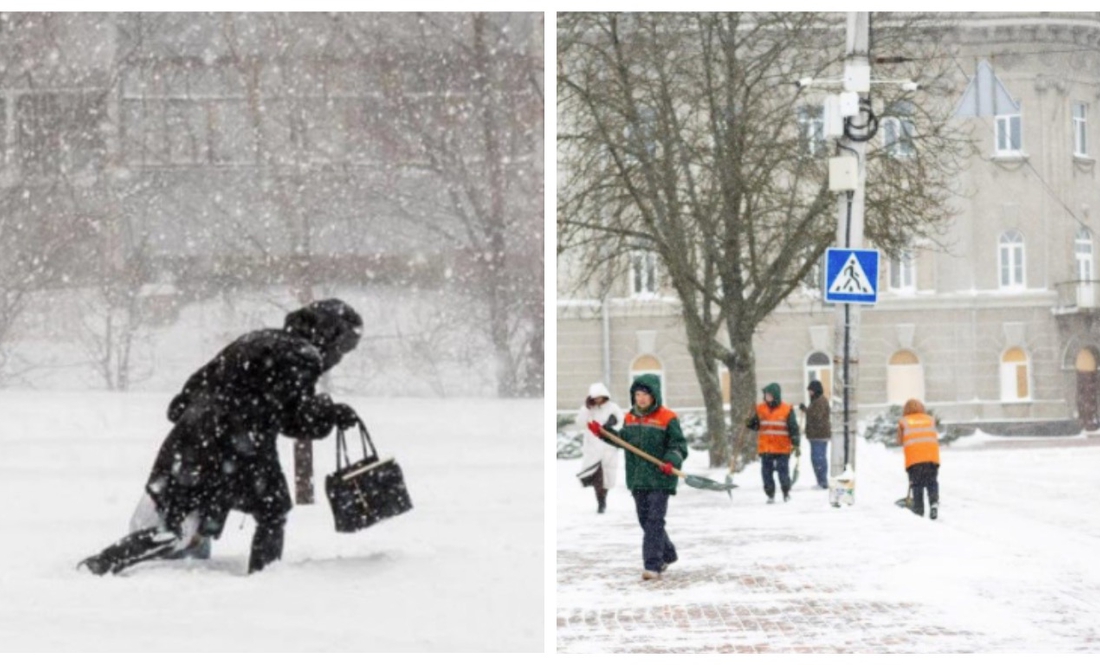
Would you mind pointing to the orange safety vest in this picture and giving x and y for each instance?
(773, 437)
(920, 439)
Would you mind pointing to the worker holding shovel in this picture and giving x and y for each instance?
(655, 430)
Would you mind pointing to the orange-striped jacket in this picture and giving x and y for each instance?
(919, 438)
(774, 436)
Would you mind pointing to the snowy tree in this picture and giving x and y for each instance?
(680, 134)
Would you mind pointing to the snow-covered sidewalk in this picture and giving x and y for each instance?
(1010, 565)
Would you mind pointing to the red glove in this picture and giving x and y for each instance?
(594, 427)
(666, 468)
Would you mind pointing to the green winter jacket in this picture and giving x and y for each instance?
(657, 432)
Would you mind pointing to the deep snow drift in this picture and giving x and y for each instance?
(463, 571)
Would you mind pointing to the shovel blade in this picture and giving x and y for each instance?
(701, 483)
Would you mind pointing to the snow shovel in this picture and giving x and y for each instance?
(698, 482)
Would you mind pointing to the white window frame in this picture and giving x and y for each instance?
(811, 129)
(903, 273)
(649, 260)
(1009, 385)
(1008, 136)
(1079, 111)
(1082, 255)
(897, 137)
(1011, 261)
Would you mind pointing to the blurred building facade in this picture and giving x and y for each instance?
(1003, 325)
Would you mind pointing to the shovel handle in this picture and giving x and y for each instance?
(639, 452)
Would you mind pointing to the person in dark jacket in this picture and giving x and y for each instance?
(777, 438)
(818, 431)
(221, 453)
(655, 429)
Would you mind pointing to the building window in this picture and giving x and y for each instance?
(648, 364)
(898, 130)
(60, 132)
(904, 378)
(643, 274)
(1080, 137)
(1082, 252)
(903, 273)
(1014, 375)
(1009, 134)
(811, 129)
(819, 367)
(1010, 260)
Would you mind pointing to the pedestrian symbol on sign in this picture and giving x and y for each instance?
(851, 275)
(851, 279)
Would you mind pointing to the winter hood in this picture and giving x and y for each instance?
(651, 383)
(330, 325)
(773, 390)
(598, 390)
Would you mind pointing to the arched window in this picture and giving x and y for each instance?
(1082, 254)
(819, 367)
(1015, 377)
(904, 378)
(648, 364)
(1010, 260)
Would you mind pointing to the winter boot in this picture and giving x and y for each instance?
(933, 511)
(650, 575)
(151, 543)
(267, 544)
(786, 496)
(601, 499)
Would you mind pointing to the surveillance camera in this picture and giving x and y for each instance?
(910, 86)
(804, 83)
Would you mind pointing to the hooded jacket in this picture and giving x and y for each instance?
(221, 454)
(817, 414)
(656, 431)
(778, 424)
(596, 450)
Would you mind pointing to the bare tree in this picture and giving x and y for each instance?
(680, 135)
(470, 117)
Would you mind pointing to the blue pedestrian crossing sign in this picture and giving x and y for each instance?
(851, 275)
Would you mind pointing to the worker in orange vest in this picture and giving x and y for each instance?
(918, 437)
(778, 437)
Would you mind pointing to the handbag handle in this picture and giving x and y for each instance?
(342, 447)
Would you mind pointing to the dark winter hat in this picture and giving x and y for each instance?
(816, 388)
(330, 325)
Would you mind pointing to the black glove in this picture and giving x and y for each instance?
(345, 416)
(752, 422)
(797, 451)
(802, 408)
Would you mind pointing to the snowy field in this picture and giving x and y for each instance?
(463, 571)
(1010, 566)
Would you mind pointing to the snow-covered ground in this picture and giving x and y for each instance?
(463, 571)
(1010, 566)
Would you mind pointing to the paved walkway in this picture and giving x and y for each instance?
(807, 578)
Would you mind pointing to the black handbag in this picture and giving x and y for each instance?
(365, 492)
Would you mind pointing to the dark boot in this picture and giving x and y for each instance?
(601, 501)
(151, 543)
(267, 544)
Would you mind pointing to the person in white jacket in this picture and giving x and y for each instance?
(600, 465)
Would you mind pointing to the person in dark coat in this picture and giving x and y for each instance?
(818, 431)
(221, 454)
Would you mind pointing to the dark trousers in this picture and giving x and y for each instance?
(923, 477)
(657, 549)
(769, 464)
(819, 449)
